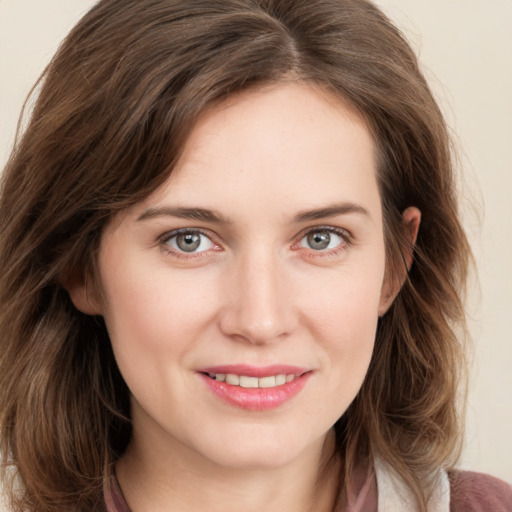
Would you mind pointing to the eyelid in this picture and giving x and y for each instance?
(164, 237)
(168, 235)
(344, 234)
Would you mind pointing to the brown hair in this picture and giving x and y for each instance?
(115, 107)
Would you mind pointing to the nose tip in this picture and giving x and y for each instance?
(260, 331)
(259, 307)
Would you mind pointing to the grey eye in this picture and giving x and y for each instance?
(321, 239)
(190, 241)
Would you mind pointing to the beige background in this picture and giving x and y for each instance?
(466, 49)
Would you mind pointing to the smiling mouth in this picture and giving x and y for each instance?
(246, 381)
(255, 388)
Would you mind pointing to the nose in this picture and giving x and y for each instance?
(258, 305)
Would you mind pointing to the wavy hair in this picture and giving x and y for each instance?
(114, 108)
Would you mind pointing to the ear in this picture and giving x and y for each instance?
(393, 281)
(84, 295)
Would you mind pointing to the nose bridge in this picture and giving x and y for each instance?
(260, 309)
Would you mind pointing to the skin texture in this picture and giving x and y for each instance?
(256, 293)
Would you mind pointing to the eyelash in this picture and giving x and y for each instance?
(342, 233)
(167, 237)
(346, 241)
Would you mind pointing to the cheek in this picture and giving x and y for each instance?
(154, 320)
(346, 301)
(343, 320)
(349, 326)
(154, 312)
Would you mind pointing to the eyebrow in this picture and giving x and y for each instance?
(201, 214)
(211, 216)
(331, 211)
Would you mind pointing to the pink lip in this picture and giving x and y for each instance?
(256, 399)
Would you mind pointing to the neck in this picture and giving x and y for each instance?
(153, 480)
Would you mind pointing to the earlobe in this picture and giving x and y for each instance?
(411, 218)
(83, 296)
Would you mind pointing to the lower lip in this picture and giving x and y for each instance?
(257, 399)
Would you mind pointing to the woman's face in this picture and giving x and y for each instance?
(242, 296)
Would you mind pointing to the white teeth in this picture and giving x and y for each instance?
(248, 382)
(280, 379)
(245, 381)
(232, 379)
(267, 382)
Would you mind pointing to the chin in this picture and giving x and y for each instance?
(266, 451)
(255, 459)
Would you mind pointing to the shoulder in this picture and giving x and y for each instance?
(478, 492)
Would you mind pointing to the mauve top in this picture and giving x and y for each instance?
(469, 492)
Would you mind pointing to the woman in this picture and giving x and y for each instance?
(233, 268)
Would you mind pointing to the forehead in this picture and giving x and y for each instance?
(291, 144)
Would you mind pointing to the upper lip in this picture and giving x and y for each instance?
(255, 371)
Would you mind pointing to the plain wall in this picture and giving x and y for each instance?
(466, 50)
